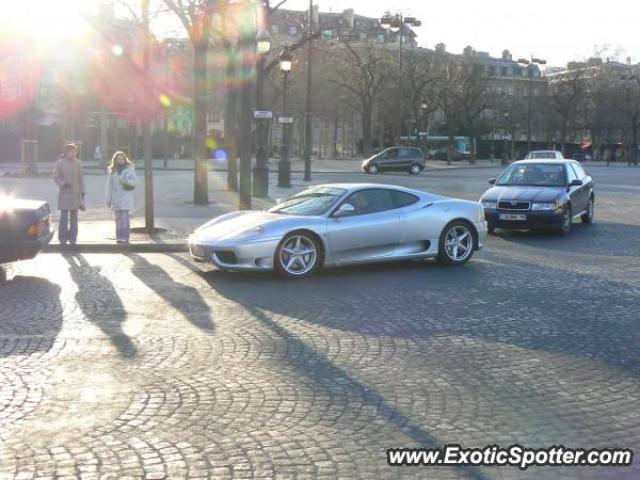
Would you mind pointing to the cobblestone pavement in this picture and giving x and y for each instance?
(144, 366)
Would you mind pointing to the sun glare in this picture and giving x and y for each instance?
(46, 20)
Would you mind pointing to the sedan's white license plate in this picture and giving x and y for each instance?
(197, 251)
(513, 216)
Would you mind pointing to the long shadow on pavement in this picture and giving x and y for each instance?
(184, 298)
(100, 303)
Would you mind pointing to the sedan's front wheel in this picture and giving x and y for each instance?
(372, 169)
(415, 169)
(298, 255)
(456, 243)
(587, 217)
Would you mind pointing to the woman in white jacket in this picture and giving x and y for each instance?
(121, 183)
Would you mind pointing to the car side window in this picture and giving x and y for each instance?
(371, 201)
(579, 171)
(571, 174)
(391, 153)
(404, 199)
(405, 153)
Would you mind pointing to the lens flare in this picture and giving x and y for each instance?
(165, 100)
(117, 50)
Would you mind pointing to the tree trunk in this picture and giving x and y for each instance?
(366, 131)
(472, 126)
(230, 127)
(450, 146)
(200, 95)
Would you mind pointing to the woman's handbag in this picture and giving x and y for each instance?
(127, 184)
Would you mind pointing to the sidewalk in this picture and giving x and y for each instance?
(325, 165)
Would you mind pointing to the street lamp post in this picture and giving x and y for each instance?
(423, 107)
(308, 138)
(284, 167)
(261, 170)
(396, 23)
(529, 64)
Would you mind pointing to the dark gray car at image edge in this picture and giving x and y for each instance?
(544, 194)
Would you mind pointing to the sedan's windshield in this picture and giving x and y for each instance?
(315, 201)
(534, 175)
(541, 155)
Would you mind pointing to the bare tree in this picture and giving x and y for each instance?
(566, 94)
(472, 97)
(196, 17)
(361, 71)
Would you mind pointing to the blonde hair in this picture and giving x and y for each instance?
(115, 156)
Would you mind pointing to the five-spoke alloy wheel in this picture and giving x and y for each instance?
(456, 243)
(298, 255)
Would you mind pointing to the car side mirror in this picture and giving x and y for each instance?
(576, 183)
(492, 181)
(345, 210)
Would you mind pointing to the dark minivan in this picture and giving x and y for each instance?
(395, 159)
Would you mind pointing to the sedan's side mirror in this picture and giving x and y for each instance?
(345, 210)
(492, 181)
(576, 183)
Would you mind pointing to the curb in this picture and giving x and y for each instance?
(118, 248)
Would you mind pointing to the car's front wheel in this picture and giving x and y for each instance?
(587, 217)
(298, 255)
(456, 244)
(415, 169)
(567, 220)
(373, 169)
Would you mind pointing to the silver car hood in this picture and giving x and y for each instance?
(238, 224)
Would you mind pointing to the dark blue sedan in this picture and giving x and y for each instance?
(24, 228)
(539, 194)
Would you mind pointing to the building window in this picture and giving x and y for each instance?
(293, 30)
(274, 29)
(492, 70)
(363, 36)
(327, 34)
(505, 72)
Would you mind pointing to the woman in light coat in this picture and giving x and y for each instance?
(121, 184)
(70, 180)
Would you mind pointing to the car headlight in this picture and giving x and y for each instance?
(544, 206)
(490, 205)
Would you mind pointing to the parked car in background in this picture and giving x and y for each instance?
(544, 155)
(539, 194)
(395, 159)
(24, 228)
(338, 224)
(442, 154)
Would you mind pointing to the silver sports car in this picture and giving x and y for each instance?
(338, 224)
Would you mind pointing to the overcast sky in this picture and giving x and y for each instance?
(557, 30)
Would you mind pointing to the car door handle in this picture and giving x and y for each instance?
(426, 205)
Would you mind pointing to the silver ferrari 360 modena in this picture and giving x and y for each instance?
(339, 224)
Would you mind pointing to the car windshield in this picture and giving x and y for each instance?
(541, 155)
(533, 174)
(315, 201)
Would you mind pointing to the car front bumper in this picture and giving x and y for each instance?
(533, 219)
(26, 249)
(247, 255)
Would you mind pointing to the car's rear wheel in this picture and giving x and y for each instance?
(415, 169)
(298, 255)
(373, 169)
(567, 220)
(456, 243)
(587, 217)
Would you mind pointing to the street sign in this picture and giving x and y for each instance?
(285, 119)
(262, 114)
